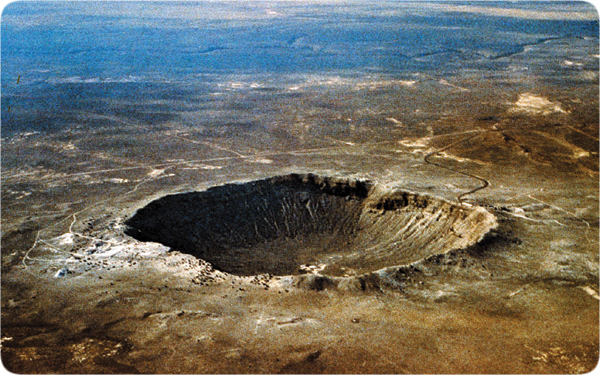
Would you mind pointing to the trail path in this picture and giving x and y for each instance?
(485, 183)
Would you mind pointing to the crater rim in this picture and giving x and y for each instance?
(295, 224)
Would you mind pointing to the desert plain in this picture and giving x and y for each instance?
(286, 187)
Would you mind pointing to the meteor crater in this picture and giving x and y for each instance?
(294, 224)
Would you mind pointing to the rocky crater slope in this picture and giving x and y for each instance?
(294, 224)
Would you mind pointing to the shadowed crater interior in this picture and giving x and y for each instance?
(297, 224)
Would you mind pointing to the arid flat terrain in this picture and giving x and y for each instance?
(422, 207)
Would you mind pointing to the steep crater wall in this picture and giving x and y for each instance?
(294, 224)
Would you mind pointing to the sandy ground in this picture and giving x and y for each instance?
(80, 296)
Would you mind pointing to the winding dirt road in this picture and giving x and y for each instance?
(486, 183)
